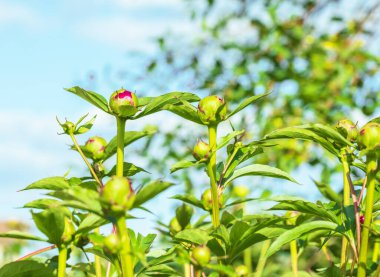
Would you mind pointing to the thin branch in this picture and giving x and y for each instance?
(42, 250)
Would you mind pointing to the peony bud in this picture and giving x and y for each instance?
(112, 244)
(96, 146)
(201, 150)
(174, 226)
(369, 136)
(241, 191)
(241, 270)
(123, 103)
(201, 255)
(99, 169)
(347, 129)
(117, 195)
(68, 231)
(361, 219)
(207, 200)
(212, 110)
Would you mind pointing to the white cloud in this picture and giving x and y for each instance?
(11, 13)
(127, 33)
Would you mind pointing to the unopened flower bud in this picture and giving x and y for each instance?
(112, 244)
(201, 150)
(174, 226)
(99, 169)
(212, 110)
(369, 136)
(117, 195)
(207, 200)
(68, 231)
(361, 219)
(201, 255)
(96, 146)
(123, 103)
(241, 270)
(347, 129)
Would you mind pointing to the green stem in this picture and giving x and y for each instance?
(62, 258)
(127, 267)
(248, 260)
(211, 168)
(125, 253)
(120, 146)
(85, 159)
(98, 264)
(376, 250)
(42, 250)
(346, 204)
(294, 257)
(187, 270)
(371, 176)
(262, 259)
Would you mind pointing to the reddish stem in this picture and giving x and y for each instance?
(37, 252)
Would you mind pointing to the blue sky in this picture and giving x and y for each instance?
(48, 45)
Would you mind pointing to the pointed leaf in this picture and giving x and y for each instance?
(51, 223)
(246, 103)
(185, 110)
(299, 231)
(92, 97)
(128, 170)
(20, 235)
(183, 164)
(260, 170)
(28, 268)
(44, 203)
(196, 236)
(226, 139)
(149, 191)
(50, 183)
(190, 199)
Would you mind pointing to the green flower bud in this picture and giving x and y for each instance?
(201, 255)
(96, 146)
(292, 217)
(201, 150)
(81, 241)
(123, 103)
(99, 169)
(241, 270)
(369, 136)
(347, 129)
(241, 191)
(117, 195)
(212, 110)
(207, 200)
(112, 244)
(68, 231)
(174, 226)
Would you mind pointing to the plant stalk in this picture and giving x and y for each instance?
(62, 258)
(98, 264)
(294, 257)
(376, 250)
(371, 175)
(85, 160)
(187, 270)
(262, 259)
(211, 168)
(346, 204)
(42, 250)
(120, 146)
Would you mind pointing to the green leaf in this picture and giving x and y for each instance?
(260, 170)
(329, 132)
(20, 235)
(92, 97)
(50, 183)
(184, 164)
(149, 191)
(51, 223)
(159, 102)
(196, 236)
(226, 139)
(28, 268)
(299, 132)
(328, 192)
(90, 222)
(129, 169)
(44, 203)
(299, 231)
(246, 102)
(190, 199)
(185, 110)
(84, 128)
(242, 155)
(129, 137)
(305, 207)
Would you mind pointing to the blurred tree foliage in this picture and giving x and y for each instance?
(314, 56)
